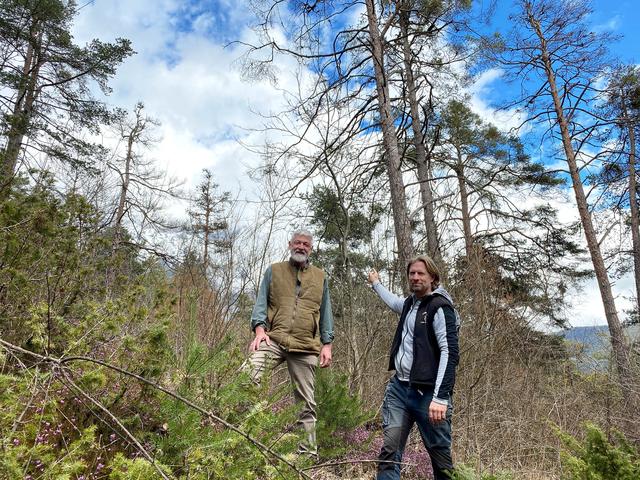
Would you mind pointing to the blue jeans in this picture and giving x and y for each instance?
(403, 406)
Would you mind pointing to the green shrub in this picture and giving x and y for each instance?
(200, 447)
(341, 415)
(135, 469)
(598, 457)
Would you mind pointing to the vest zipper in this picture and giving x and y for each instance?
(295, 304)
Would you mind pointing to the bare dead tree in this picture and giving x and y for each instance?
(142, 187)
(561, 58)
(623, 96)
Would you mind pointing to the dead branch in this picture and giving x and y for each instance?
(69, 381)
(58, 364)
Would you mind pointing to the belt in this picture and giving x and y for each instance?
(407, 384)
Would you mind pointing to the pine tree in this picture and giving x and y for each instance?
(46, 81)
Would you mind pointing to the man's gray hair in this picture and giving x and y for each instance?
(302, 233)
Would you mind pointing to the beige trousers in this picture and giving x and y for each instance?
(302, 371)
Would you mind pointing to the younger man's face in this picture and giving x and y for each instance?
(420, 280)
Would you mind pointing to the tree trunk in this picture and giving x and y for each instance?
(633, 201)
(390, 141)
(120, 211)
(464, 209)
(124, 191)
(21, 114)
(355, 364)
(424, 173)
(618, 344)
(207, 229)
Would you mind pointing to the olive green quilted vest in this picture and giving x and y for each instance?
(295, 297)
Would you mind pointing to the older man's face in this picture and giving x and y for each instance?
(300, 248)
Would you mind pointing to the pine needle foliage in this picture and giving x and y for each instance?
(339, 413)
(198, 448)
(465, 472)
(599, 457)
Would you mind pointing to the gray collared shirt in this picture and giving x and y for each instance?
(404, 357)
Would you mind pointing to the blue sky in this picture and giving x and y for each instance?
(187, 74)
(618, 16)
(622, 17)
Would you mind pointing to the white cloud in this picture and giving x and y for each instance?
(188, 80)
(587, 308)
(147, 23)
(610, 25)
(506, 120)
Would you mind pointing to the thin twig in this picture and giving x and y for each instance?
(114, 419)
(355, 462)
(59, 363)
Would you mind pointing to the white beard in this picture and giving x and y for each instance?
(299, 257)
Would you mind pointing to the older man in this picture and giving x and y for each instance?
(293, 323)
(424, 355)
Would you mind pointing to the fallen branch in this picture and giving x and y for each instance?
(58, 364)
(355, 462)
(114, 419)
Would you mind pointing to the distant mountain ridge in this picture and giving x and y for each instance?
(594, 334)
(593, 344)
(586, 335)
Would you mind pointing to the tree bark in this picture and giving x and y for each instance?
(124, 190)
(390, 141)
(464, 208)
(206, 228)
